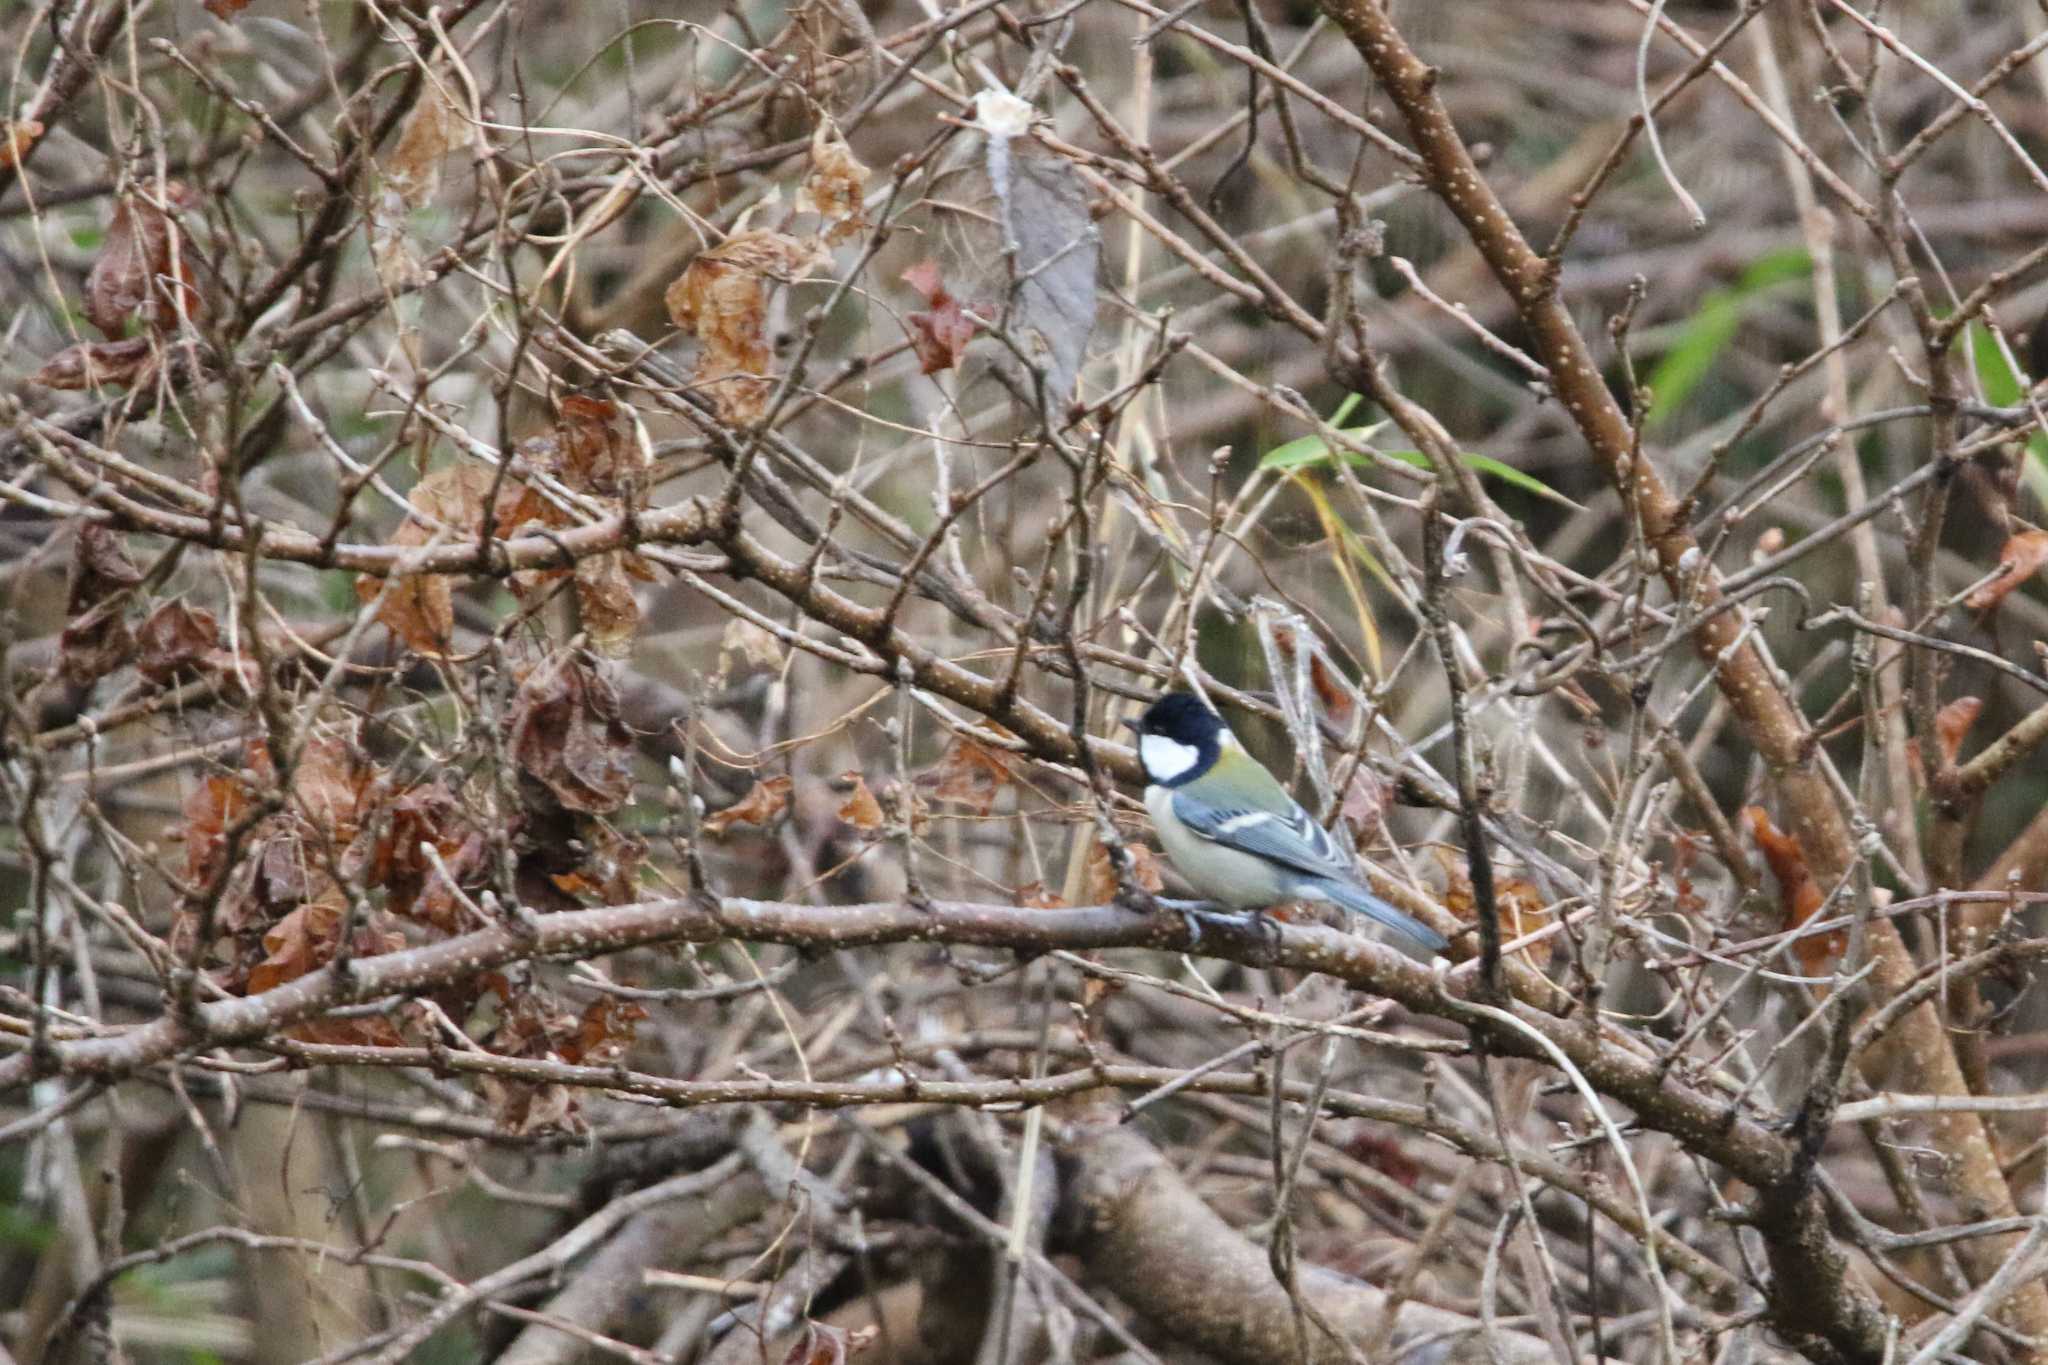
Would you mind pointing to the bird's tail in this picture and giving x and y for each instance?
(1360, 901)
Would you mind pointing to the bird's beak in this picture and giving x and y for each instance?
(1132, 723)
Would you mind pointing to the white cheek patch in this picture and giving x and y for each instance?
(1166, 759)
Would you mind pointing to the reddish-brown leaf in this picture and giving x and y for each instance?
(387, 853)
(969, 774)
(603, 1032)
(90, 364)
(940, 334)
(16, 137)
(1952, 724)
(861, 810)
(722, 300)
(565, 732)
(609, 869)
(2023, 554)
(95, 644)
(1520, 904)
(329, 782)
(1146, 872)
(420, 608)
(209, 810)
(1330, 687)
(296, 944)
(595, 453)
(1035, 896)
(760, 806)
(226, 9)
(135, 271)
(1799, 896)
(174, 639)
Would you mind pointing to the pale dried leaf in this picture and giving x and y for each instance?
(748, 644)
(832, 188)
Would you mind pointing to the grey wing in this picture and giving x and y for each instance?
(1291, 838)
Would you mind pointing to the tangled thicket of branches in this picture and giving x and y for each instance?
(570, 574)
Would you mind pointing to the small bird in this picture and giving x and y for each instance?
(1233, 831)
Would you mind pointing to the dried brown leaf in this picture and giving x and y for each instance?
(749, 644)
(420, 608)
(1799, 896)
(1036, 896)
(1146, 872)
(603, 1032)
(609, 612)
(90, 364)
(433, 129)
(564, 731)
(329, 782)
(832, 188)
(760, 806)
(723, 299)
(2022, 555)
(1952, 724)
(298, 943)
(969, 774)
(939, 335)
(16, 137)
(97, 640)
(1520, 903)
(133, 272)
(861, 810)
(174, 639)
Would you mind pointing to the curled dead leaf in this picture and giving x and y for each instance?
(606, 607)
(174, 639)
(96, 639)
(143, 258)
(564, 731)
(723, 300)
(16, 137)
(433, 129)
(90, 364)
(1519, 901)
(764, 801)
(748, 644)
(969, 774)
(940, 334)
(832, 188)
(1952, 724)
(447, 509)
(2022, 555)
(861, 809)
(1146, 872)
(1799, 896)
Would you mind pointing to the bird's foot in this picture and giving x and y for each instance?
(1192, 913)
